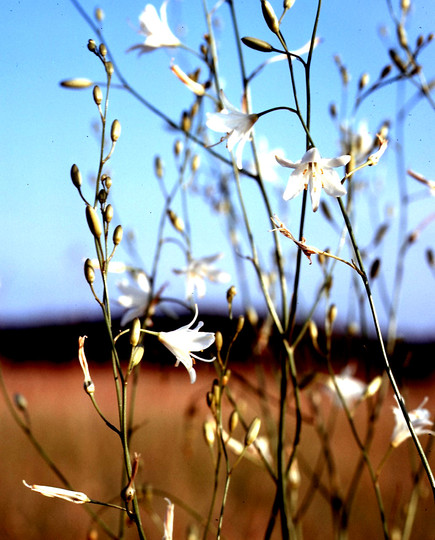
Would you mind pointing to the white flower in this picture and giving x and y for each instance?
(352, 389)
(420, 420)
(358, 143)
(184, 340)
(315, 172)
(156, 30)
(236, 124)
(75, 497)
(134, 297)
(198, 270)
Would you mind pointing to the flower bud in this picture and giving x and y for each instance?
(209, 434)
(176, 221)
(135, 332)
(233, 421)
(158, 167)
(287, 4)
(136, 356)
(253, 431)
(20, 402)
(269, 16)
(107, 181)
(178, 147)
(89, 271)
(430, 258)
(99, 14)
(98, 95)
(102, 196)
(257, 44)
(103, 49)
(364, 81)
(117, 235)
(76, 84)
(76, 177)
(185, 122)
(332, 314)
(231, 293)
(115, 131)
(109, 68)
(196, 161)
(226, 377)
(374, 269)
(93, 221)
(401, 66)
(92, 46)
(218, 341)
(386, 71)
(108, 213)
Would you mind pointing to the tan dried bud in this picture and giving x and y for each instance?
(158, 167)
(374, 269)
(386, 71)
(76, 84)
(226, 377)
(117, 235)
(257, 44)
(413, 237)
(108, 213)
(196, 161)
(218, 339)
(430, 37)
(398, 62)
(99, 14)
(103, 49)
(210, 399)
(233, 421)
(107, 181)
(332, 314)
(430, 257)
(176, 221)
(253, 431)
(185, 122)
(314, 332)
(402, 36)
(135, 332)
(405, 5)
(89, 271)
(240, 324)
(270, 17)
(231, 293)
(294, 475)
(76, 176)
(420, 41)
(20, 402)
(92, 46)
(178, 147)
(93, 221)
(364, 81)
(216, 392)
(373, 387)
(98, 95)
(115, 132)
(209, 434)
(333, 110)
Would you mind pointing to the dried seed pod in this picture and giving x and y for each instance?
(93, 221)
(115, 132)
(76, 176)
(117, 235)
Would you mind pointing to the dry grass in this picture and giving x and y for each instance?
(175, 458)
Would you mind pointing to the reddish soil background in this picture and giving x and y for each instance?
(175, 458)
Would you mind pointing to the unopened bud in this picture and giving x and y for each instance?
(102, 196)
(76, 177)
(93, 221)
(314, 332)
(115, 131)
(20, 402)
(176, 221)
(89, 271)
(364, 81)
(402, 36)
(209, 434)
(218, 339)
(103, 49)
(99, 14)
(257, 44)
(107, 181)
(92, 46)
(98, 95)
(185, 122)
(233, 421)
(109, 68)
(226, 377)
(374, 269)
(196, 161)
(216, 392)
(405, 5)
(136, 356)
(135, 332)
(253, 431)
(231, 293)
(430, 257)
(76, 84)
(269, 16)
(240, 324)
(332, 314)
(397, 60)
(117, 235)
(178, 147)
(158, 167)
(333, 110)
(373, 387)
(386, 71)
(287, 4)
(108, 213)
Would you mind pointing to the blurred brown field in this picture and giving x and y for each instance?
(176, 460)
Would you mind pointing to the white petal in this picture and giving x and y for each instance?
(332, 184)
(335, 162)
(287, 163)
(295, 185)
(311, 156)
(315, 192)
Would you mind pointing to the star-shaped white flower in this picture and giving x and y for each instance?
(156, 30)
(352, 389)
(420, 420)
(236, 124)
(184, 340)
(198, 270)
(315, 172)
(134, 296)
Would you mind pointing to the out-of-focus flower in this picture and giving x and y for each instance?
(429, 183)
(88, 384)
(373, 159)
(198, 270)
(236, 124)
(115, 267)
(184, 340)
(352, 389)
(75, 497)
(192, 85)
(420, 420)
(156, 30)
(134, 296)
(252, 452)
(267, 162)
(358, 143)
(168, 524)
(315, 172)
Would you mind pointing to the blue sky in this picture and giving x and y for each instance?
(46, 129)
